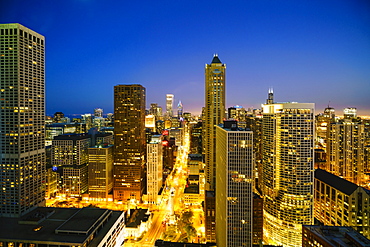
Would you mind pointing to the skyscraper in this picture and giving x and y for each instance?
(70, 157)
(22, 120)
(154, 168)
(234, 182)
(100, 172)
(214, 114)
(287, 177)
(169, 105)
(129, 142)
(346, 141)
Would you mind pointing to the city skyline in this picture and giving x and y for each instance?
(320, 48)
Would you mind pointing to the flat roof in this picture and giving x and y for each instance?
(339, 235)
(24, 229)
(83, 221)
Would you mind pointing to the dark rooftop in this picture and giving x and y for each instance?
(335, 181)
(136, 217)
(72, 136)
(216, 59)
(41, 224)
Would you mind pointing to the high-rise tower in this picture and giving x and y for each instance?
(22, 120)
(214, 114)
(129, 142)
(180, 109)
(169, 105)
(234, 182)
(287, 170)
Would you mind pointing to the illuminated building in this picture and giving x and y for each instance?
(156, 111)
(100, 170)
(237, 113)
(64, 227)
(214, 114)
(169, 105)
(98, 112)
(270, 97)
(154, 168)
(210, 216)
(196, 138)
(257, 219)
(196, 167)
(51, 183)
(70, 158)
(323, 120)
(177, 134)
(339, 202)
(88, 120)
(58, 116)
(332, 236)
(138, 221)
(234, 182)
(129, 142)
(287, 171)
(254, 123)
(150, 122)
(56, 129)
(180, 109)
(345, 150)
(350, 112)
(22, 121)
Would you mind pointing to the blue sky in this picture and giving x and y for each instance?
(308, 51)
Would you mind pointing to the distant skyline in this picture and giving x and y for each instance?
(307, 51)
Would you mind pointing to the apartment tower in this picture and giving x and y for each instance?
(234, 185)
(129, 142)
(22, 120)
(287, 171)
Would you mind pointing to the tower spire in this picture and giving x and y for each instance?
(270, 98)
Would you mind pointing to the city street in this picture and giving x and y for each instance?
(171, 202)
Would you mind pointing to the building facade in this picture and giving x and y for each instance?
(345, 150)
(100, 170)
(70, 159)
(214, 114)
(287, 171)
(22, 120)
(169, 105)
(339, 202)
(234, 185)
(332, 236)
(129, 142)
(154, 168)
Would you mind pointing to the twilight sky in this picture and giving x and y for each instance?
(308, 51)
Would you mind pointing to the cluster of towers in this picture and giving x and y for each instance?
(286, 173)
(280, 169)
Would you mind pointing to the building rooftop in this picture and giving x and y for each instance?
(339, 235)
(59, 226)
(335, 181)
(192, 189)
(72, 136)
(136, 217)
(216, 59)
